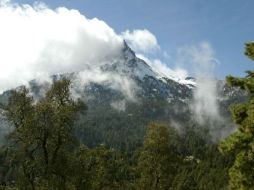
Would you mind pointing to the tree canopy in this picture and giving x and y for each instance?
(242, 141)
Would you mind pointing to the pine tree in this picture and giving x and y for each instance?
(157, 161)
(242, 141)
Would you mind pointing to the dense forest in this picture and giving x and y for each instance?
(46, 152)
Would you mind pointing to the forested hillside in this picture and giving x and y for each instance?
(44, 153)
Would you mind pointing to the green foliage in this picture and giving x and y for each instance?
(242, 141)
(202, 166)
(44, 151)
(43, 135)
(157, 162)
(100, 168)
(249, 50)
(45, 154)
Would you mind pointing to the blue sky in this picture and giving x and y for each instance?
(225, 24)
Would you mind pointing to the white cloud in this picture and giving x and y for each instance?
(141, 41)
(205, 101)
(37, 41)
(119, 105)
(113, 80)
(4, 2)
(202, 60)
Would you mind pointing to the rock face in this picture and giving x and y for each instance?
(132, 95)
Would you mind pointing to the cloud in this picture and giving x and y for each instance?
(37, 42)
(112, 80)
(4, 2)
(205, 104)
(201, 59)
(119, 105)
(141, 41)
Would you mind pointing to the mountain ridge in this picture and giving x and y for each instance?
(133, 94)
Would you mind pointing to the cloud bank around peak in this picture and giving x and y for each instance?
(37, 41)
(141, 41)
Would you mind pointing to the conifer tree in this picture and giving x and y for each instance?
(241, 142)
(157, 161)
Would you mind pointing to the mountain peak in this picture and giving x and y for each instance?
(137, 67)
(128, 52)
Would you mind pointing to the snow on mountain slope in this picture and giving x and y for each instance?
(133, 66)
